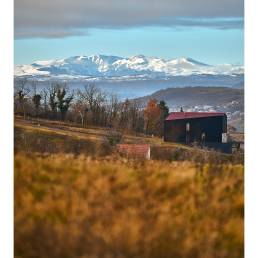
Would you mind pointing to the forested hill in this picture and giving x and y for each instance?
(195, 96)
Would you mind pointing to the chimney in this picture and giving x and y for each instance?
(181, 109)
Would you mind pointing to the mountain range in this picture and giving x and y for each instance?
(140, 67)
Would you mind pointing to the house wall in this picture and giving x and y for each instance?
(213, 127)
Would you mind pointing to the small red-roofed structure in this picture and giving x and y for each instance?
(134, 150)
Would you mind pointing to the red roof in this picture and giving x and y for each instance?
(135, 150)
(189, 115)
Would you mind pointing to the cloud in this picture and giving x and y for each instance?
(222, 23)
(32, 32)
(62, 18)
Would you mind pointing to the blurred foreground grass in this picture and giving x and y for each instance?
(79, 207)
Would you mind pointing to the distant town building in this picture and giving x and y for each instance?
(200, 127)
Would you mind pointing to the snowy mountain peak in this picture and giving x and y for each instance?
(138, 66)
(183, 61)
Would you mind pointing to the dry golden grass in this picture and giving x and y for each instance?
(57, 128)
(44, 141)
(30, 138)
(79, 207)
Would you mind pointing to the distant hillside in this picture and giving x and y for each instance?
(195, 96)
(222, 99)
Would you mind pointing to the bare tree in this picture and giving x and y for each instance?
(34, 85)
(99, 107)
(93, 99)
(22, 94)
(124, 114)
(44, 96)
(134, 115)
(89, 106)
(89, 94)
(81, 109)
(113, 110)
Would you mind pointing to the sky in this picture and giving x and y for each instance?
(209, 31)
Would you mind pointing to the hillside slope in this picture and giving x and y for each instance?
(50, 137)
(194, 96)
(222, 99)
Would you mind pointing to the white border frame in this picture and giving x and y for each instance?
(6, 131)
(251, 129)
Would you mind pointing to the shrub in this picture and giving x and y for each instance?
(196, 155)
(114, 137)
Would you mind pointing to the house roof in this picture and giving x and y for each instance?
(136, 150)
(190, 115)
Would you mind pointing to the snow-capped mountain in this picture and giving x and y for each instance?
(138, 67)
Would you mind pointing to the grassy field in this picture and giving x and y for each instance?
(58, 137)
(86, 133)
(83, 207)
(76, 198)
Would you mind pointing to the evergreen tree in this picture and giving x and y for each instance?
(164, 108)
(63, 102)
(36, 101)
(164, 114)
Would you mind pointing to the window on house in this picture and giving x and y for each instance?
(224, 138)
(187, 127)
(203, 137)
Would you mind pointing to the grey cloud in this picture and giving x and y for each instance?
(216, 23)
(60, 18)
(47, 33)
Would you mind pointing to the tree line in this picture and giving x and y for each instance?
(88, 106)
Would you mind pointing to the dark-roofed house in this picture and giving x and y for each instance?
(200, 127)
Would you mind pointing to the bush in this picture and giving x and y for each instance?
(114, 137)
(195, 154)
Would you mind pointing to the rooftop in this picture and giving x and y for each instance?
(189, 115)
(134, 150)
